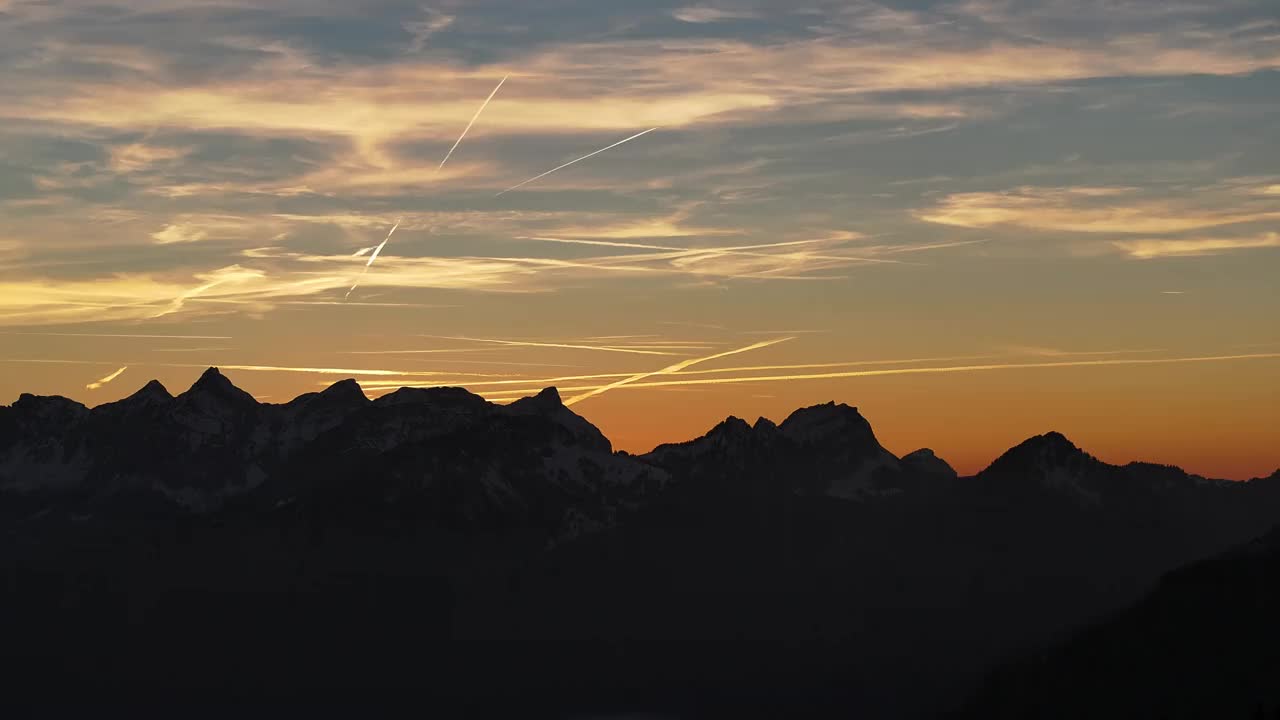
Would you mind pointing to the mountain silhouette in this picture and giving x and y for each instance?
(433, 547)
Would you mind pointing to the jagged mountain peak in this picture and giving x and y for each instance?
(1040, 452)
(731, 425)
(153, 389)
(547, 404)
(342, 395)
(212, 379)
(1052, 447)
(548, 399)
(151, 395)
(213, 385)
(1053, 438)
(829, 422)
(347, 391)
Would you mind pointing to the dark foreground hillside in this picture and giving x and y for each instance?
(1205, 643)
(434, 550)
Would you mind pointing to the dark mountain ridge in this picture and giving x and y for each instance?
(432, 545)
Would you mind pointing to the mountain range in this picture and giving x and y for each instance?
(432, 546)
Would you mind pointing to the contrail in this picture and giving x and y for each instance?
(111, 335)
(473, 120)
(531, 382)
(507, 394)
(651, 246)
(670, 252)
(373, 256)
(530, 343)
(105, 380)
(268, 368)
(584, 157)
(672, 369)
(416, 352)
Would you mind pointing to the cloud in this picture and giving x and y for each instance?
(137, 157)
(423, 29)
(655, 228)
(178, 234)
(574, 87)
(1086, 209)
(195, 227)
(1149, 248)
(704, 14)
(105, 380)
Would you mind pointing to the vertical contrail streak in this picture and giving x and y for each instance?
(372, 256)
(584, 157)
(105, 380)
(672, 369)
(473, 120)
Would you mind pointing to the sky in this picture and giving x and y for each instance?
(974, 220)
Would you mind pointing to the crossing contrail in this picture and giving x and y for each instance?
(584, 157)
(473, 120)
(671, 369)
(506, 395)
(105, 380)
(372, 256)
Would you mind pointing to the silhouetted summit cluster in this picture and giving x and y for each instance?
(433, 546)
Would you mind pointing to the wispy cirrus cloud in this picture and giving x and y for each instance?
(1150, 248)
(707, 14)
(1086, 209)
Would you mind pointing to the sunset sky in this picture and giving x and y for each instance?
(975, 221)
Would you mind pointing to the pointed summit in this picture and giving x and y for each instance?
(731, 426)
(547, 399)
(1050, 449)
(213, 388)
(1054, 439)
(547, 403)
(346, 392)
(340, 396)
(151, 395)
(210, 378)
(153, 388)
(1050, 462)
